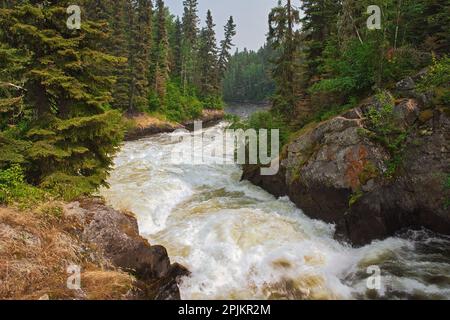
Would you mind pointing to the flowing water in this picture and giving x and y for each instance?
(240, 242)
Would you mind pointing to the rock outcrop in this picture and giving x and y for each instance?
(143, 125)
(116, 236)
(337, 172)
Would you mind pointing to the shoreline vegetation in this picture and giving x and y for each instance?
(68, 99)
(376, 102)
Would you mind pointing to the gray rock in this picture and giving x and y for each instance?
(116, 235)
(329, 163)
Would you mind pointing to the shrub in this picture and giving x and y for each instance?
(266, 120)
(14, 189)
(437, 81)
(384, 130)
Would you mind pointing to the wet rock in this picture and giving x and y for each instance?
(116, 235)
(335, 172)
(407, 112)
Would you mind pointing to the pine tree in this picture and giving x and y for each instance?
(66, 83)
(284, 40)
(208, 59)
(225, 46)
(318, 22)
(160, 65)
(12, 107)
(190, 42)
(177, 43)
(140, 40)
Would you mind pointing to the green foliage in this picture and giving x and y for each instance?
(328, 113)
(352, 71)
(69, 133)
(266, 120)
(247, 78)
(437, 81)
(384, 130)
(15, 190)
(181, 107)
(354, 198)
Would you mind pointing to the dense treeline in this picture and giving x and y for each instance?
(248, 77)
(327, 57)
(63, 91)
(325, 60)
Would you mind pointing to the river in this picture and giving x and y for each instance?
(240, 242)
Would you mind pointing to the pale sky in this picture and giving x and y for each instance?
(250, 17)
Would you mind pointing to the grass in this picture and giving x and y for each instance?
(36, 250)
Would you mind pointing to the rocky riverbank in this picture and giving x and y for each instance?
(143, 125)
(115, 262)
(370, 177)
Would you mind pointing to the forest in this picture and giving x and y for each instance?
(63, 92)
(323, 59)
(358, 207)
(248, 76)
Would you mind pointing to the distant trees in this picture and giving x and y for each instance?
(248, 77)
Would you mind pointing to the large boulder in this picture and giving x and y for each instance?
(115, 235)
(336, 172)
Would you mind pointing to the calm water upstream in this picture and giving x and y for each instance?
(240, 242)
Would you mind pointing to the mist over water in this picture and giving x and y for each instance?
(240, 242)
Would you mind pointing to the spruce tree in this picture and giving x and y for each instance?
(208, 59)
(225, 46)
(140, 40)
(66, 82)
(190, 40)
(318, 22)
(177, 44)
(284, 40)
(160, 65)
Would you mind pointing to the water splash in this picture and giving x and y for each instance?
(242, 243)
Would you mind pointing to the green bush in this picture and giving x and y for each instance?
(437, 81)
(14, 189)
(266, 120)
(384, 130)
(181, 107)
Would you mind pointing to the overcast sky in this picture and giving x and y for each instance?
(249, 15)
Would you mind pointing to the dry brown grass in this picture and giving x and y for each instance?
(107, 285)
(35, 250)
(144, 120)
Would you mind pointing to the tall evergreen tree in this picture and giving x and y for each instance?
(73, 137)
(177, 44)
(140, 24)
(225, 46)
(283, 37)
(318, 21)
(208, 66)
(160, 66)
(190, 41)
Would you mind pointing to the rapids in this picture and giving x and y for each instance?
(240, 242)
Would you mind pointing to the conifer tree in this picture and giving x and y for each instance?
(190, 39)
(318, 21)
(177, 43)
(160, 66)
(284, 40)
(225, 46)
(65, 81)
(208, 58)
(140, 38)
